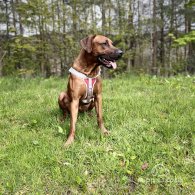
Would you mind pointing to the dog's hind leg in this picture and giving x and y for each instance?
(64, 103)
(90, 108)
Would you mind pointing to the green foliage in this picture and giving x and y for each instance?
(190, 36)
(185, 39)
(190, 4)
(150, 149)
(22, 52)
(54, 29)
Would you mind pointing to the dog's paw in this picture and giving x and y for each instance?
(106, 132)
(69, 141)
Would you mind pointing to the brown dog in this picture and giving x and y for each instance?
(84, 84)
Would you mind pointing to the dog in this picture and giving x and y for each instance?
(84, 90)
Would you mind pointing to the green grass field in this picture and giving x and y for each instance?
(150, 149)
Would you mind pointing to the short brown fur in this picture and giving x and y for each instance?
(88, 64)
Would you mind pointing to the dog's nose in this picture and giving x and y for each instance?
(119, 52)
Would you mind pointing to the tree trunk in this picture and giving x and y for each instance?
(162, 47)
(21, 30)
(130, 39)
(154, 39)
(14, 16)
(103, 10)
(74, 18)
(2, 55)
(65, 58)
(7, 28)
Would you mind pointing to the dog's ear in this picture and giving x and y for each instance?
(86, 43)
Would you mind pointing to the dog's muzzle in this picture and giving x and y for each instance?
(109, 61)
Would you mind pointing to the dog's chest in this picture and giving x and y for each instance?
(89, 83)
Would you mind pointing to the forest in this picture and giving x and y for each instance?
(41, 37)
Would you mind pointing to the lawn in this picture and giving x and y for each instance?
(150, 149)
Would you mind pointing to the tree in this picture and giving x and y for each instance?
(42, 37)
(154, 37)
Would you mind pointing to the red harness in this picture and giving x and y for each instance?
(89, 82)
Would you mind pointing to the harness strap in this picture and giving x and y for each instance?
(89, 82)
(81, 75)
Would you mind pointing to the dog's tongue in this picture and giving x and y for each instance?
(113, 64)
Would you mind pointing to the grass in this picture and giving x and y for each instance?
(150, 149)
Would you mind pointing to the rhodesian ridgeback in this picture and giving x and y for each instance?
(84, 90)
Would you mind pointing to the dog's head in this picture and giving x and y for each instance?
(102, 49)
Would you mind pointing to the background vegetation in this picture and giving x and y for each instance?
(41, 37)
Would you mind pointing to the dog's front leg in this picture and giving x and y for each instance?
(98, 107)
(74, 106)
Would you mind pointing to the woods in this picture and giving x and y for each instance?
(41, 38)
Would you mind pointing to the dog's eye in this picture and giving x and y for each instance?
(104, 44)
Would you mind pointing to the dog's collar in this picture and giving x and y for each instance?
(81, 75)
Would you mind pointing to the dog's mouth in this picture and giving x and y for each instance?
(107, 63)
